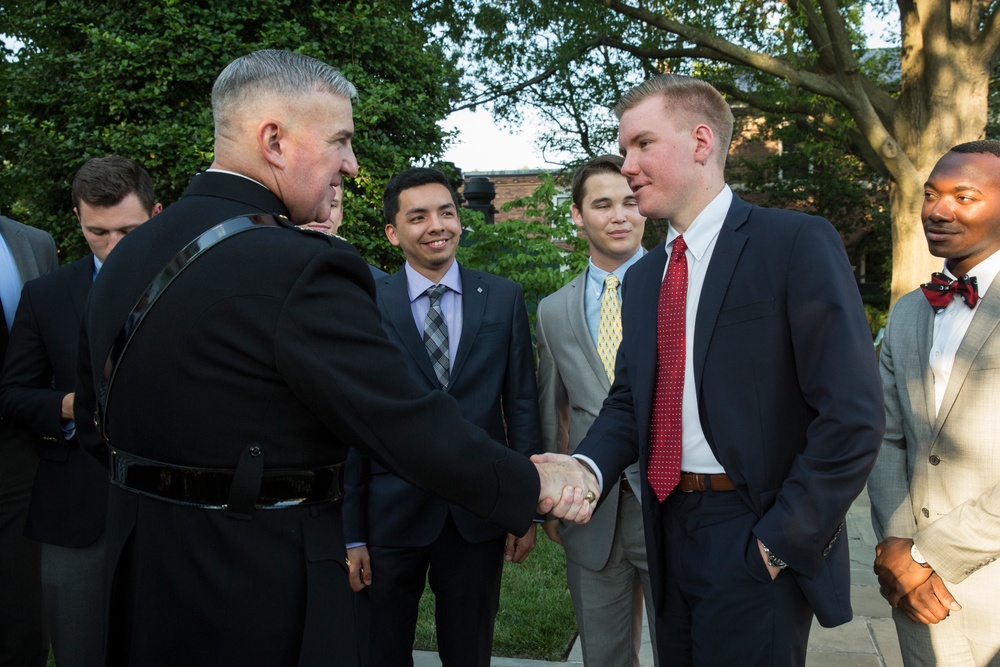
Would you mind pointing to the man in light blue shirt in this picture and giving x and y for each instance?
(578, 331)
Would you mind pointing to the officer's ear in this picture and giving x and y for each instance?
(271, 139)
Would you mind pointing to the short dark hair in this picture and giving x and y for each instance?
(106, 181)
(602, 164)
(413, 177)
(982, 146)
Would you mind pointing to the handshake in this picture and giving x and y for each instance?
(569, 489)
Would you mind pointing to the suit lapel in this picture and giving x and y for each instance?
(984, 324)
(576, 316)
(475, 292)
(23, 255)
(924, 326)
(720, 271)
(639, 313)
(396, 302)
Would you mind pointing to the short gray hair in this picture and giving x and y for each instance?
(272, 71)
(694, 96)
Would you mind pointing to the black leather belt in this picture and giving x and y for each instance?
(213, 488)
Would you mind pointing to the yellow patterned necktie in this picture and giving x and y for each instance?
(609, 330)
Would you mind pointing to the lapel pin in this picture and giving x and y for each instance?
(480, 290)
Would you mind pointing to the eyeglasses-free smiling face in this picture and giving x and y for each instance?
(961, 211)
(427, 229)
(609, 217)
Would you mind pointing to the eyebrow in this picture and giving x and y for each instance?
(958, 188)
(425, 209)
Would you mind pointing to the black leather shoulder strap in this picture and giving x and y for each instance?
(152, 293)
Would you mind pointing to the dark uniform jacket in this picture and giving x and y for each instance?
(271, 340)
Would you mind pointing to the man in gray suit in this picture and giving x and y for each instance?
(935, 489)
(578, 331)
(25, 253)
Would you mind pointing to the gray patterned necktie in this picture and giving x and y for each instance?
(436, 335)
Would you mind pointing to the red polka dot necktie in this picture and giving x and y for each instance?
(664, 469)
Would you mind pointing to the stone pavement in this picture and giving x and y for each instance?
(867, 641)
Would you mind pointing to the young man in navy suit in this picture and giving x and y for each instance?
(485, 362)
(111, 197)
(746, 386)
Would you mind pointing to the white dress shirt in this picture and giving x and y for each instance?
(700, 237)
(952, 323)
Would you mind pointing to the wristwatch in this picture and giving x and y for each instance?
(773, 560)
(917, 557)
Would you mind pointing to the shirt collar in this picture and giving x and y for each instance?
(417, 283)
(598, 274)
(984, 272)
(706, 226)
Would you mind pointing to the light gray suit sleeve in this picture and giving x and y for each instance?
(553, 402)
(888, 485)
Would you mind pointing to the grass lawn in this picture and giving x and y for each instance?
(536, 614)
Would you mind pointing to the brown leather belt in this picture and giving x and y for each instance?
(691, 481)
(210, 488)
(624, 486)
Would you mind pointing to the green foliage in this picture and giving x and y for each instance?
(877, 317)
(134, 79)
(571, 61)
(541, 251)
(536, 618)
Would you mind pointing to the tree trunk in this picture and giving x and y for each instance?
(943, 102)
(912, 264)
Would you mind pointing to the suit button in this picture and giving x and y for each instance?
(934, 459)
(255, 450)
(925, 512)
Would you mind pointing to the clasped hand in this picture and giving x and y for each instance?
(917, 591)
(565, 485)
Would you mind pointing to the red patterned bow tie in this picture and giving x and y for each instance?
(941, 289)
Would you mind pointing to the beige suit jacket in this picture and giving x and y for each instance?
(937, 478)
(572, 386)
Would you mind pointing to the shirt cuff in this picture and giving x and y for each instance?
(593, 468)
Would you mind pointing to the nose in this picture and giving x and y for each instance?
(629, 167)
(349, 167)
(113, 239)
(939, 210)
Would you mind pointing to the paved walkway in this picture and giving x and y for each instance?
(867, 641)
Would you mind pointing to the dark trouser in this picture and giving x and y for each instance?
(73, 595)
(23, 642)
(722, 608)
(465, 578)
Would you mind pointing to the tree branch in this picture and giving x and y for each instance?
(821, 85)
(581, 50)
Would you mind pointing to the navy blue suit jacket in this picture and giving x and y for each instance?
(788, 393)
(493, 380)
(69, 496)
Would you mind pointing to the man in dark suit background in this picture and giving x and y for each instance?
(243, 387)
(25, 253)
(746, 385)
(397, 534)
(111, 196)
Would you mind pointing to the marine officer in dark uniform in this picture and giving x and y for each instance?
(242, 385)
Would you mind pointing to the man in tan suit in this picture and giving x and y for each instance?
(605, 562)
(935, 489)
